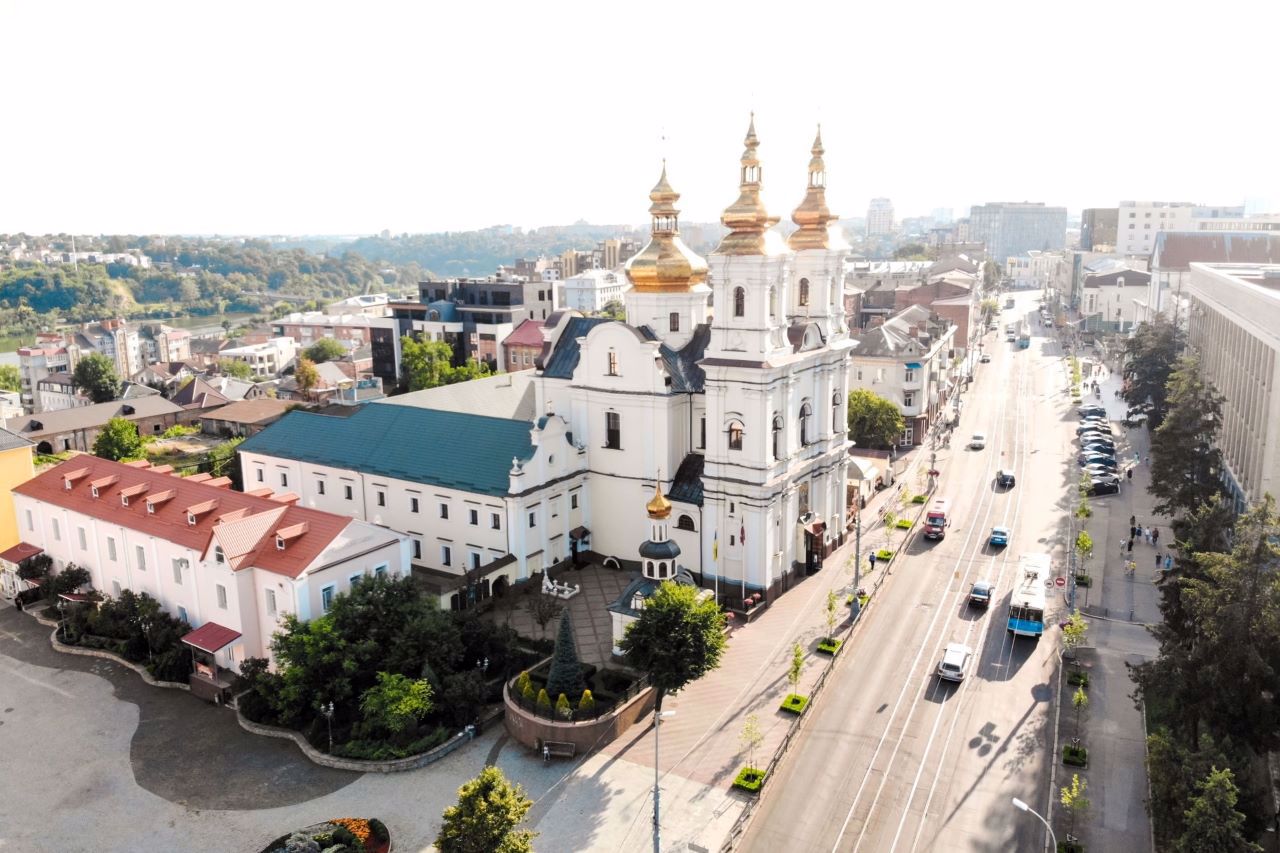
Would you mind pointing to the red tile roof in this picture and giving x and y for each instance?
(20, 552)
(169, 518)
(528, 333)
(211, 637)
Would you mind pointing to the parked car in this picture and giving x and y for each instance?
(1000, 537)
(1098, 441)
(1102, 427)
(982, 593)
(1091, 409)
(1096, 459)
(1101, 472)
(978, 441)
(1005, 478)
(1096, 432)
(1109, 486)
(955, 662)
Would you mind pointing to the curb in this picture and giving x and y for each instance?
(65, 649)
(1053, 758)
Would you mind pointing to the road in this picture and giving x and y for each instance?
(895, 759)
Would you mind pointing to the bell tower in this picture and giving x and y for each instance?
(817, 273)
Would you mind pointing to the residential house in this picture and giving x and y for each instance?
(78, 428)
(15, 468)
(57, 391)
(589, 291)
(337, 382)
(209, 555)
(354, 331)
(523, 346)
(244, 417)
(267, 358)
(1111, 297)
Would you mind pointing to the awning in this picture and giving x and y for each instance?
(913, 365)
(579, 533)
(20, 552)
(74, 597)
(211, 637)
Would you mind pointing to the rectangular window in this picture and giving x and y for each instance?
(475, 560)
(346, 492)
(177, 572)
(222, 596)
(379, 570)
(911, 376)
(909, 399)
(115, 588)
(84, 542)
(446, 555)
(908, 437)
(320, 486)
(271, 602)
(31, 525)
(495, 521)
(141, 554)
(326, 598)
(261, 475)
(674, 320)
(382, 498)
(182, 615)
(57, 530)
(533, 519)
(612, 431)
(417, 550)
(613, 363)
(444, 510)
(284, 479)
(473, 516)
(413, 505)
(111, 549)
(573, 501)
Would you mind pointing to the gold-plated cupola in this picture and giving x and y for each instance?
(659, 507)
(746, 218)
(813, 216)
(665, 264)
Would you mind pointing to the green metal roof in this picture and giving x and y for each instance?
(455, 450)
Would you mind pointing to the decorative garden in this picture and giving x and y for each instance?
(337, 835)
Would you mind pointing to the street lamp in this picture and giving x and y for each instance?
(1023, 807)
(657, 826)
(327, 710)
(62, 618)
(146, 632)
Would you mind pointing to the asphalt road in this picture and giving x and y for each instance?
(895, 759)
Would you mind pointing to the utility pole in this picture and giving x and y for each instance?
(857, 560)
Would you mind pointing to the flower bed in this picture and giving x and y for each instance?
(337, 835)
(795, 703)
(830, 645)
(749, 779)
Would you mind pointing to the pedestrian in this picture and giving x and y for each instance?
(1133, 519)
(1155, 536)
(1122, 547)
(1130, 547)
(1133, 530)
(1128, 473)
(1147, 534)
(1159, 559)
(1168, 562)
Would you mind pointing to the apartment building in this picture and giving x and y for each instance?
(879, 217)
(354, 331)
(1098, 228)
(590, 291)
(1233, 323)
(1140, 223)
(265, 359)
(206, 553)
(1174, 252)
(51, 355)
(1010, 229)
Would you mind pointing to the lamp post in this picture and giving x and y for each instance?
(657, 825)
(146, 632)
(857, 562)
(62, 618)
(1023, 807)
(327, 710)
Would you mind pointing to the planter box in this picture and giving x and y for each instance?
(903, 524)
(884, 555)
(749, 779)
(795, 703)
(1084, 581)
(1078, 679)
(830, 646)
(1075, 756)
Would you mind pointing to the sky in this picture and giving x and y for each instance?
(350, 118)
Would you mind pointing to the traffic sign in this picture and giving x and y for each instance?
(1059, 581)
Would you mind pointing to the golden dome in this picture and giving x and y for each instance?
(665, 264)
(746, 218)
(813, 216)
(659, 507)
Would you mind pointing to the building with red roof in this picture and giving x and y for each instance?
(522, 346)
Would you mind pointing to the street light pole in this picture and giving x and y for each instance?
(1023, 807)
(657, 793)
(857, 560)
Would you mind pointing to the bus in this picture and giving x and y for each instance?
(1024, 335)
(1026, 604)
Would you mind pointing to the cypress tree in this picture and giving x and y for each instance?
(566, 670)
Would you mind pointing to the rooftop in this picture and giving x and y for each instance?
(251, 411)
(1177, 250)
(88, 417)
(503, 395)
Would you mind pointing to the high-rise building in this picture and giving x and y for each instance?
(879, 217)
(1014, 228)
(1098, 228)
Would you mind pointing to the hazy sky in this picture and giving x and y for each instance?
(274, 117)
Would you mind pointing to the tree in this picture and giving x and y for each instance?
(543, 608)
(235, 368)
(830, 610)
(890, 520)
(1150, 354)
(1084, 548)
(325, 349)
(394, 704)
(796, 668)
(990, 274)
(1212, 823)
(751, 738)
(1073, 632)
(1073, 799)
(306, 376)
(565, 675)
(874, 422)
(911, 252)
(221, 460)
(485, 818)
(614, 310)
(989, 307)
(10, 379)
(678, 638)
(96, 376)
(118, 440)
(1185, 460)
(1079, 701)
(426, 364)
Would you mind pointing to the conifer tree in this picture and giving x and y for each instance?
(566, 670)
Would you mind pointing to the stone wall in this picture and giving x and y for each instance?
(586, 735)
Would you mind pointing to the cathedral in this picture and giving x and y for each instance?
(714, 417)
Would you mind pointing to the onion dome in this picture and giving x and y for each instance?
(659, 507)
(665, 264)
(746, 218)
(813, 216)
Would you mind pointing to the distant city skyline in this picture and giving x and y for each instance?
(342, 118)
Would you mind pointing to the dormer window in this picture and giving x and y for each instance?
(124, 500)
(279, 544)
(191, 519)
(94, 490)
(151, 508)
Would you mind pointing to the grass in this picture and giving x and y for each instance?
(919, 499)
(749, 779)
(830, 645)
(903, 524)
(1075, 756)
(795, 703)
(884, 555)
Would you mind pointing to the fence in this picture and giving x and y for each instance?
(602, 707)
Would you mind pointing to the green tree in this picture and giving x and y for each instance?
(221, 459)
(1075, 802)
(751, 738)
(614, 310)
(990, 274)
(830, 610)
(911, 252)
(325, 349)
(796, 668)
(1150, 355)
(485, 818)
(678, 638)
(989, 307)
(1212, 823)
(1185, 460)
(306, 376)
(543, 608)
(1084, 547)
(394, 704)
(10, 379)
(565, 675)
(426, 364)
(1073, 632)
(874, 422)
(1079, 701)
(95, 375)
(235, 368)
(118, 440)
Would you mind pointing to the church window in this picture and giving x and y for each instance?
(804, 291)
(674, 320)
(802, 494)
(777, 436)
(612, 431)
(702, 432)
(739, 302)
(613, 363)
(685, 523)
(806, 423)
(662, 570)
(735, 435)
(836, 426)
(773, 302)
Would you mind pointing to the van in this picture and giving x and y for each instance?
(937, 519)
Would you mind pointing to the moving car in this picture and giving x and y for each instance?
(981, 594)
(937, 519)
(978, 441)
(955, 662)
(1010, 336)
(1108, 486)
(1136, 419)
(1000, 536)
(1005, 479)
(985, 359)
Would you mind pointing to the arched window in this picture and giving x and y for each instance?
(836, 426)
(662, 570)
(648, 568)
(777, 436)
(806, 419)
(773, 302)
(433, 315)
(735, 435)
(685, 523)
(804, 291)
(739, 302)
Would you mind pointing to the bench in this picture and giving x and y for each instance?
(558, 749)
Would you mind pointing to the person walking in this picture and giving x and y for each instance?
(1155, 536)
(1133, 519)
(1168, 562)
(1130, 547)
(1147, 534)
(1159, 560)
(1133, 529)
(1128, 473)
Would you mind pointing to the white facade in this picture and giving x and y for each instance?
(265, 359)
(879, 217)
(1140, 222)
(1234, 325)
(37, 362)
(1035, 269)
(591, 290)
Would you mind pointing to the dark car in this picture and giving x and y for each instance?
(1108, 486)
(1096, 459)
(1005, 479)
(980, 595)
(1095, 432)
(1092, 410)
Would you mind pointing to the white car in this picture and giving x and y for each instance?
(955, 662)
(978, 442)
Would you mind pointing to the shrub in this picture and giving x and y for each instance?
(378, 830)
(1075, 756)
(1078, 678)
(919, 499)
(528, 693)
(523, 683)
(367, 750)
(342, 835)
(587, 704)
(749, 779)
(884, 555)
(544, 702)
(830, 645)
(614, 680)
(1084, 580)
(171, 665)
(463, 696)
(795, 703)
(903, 524)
